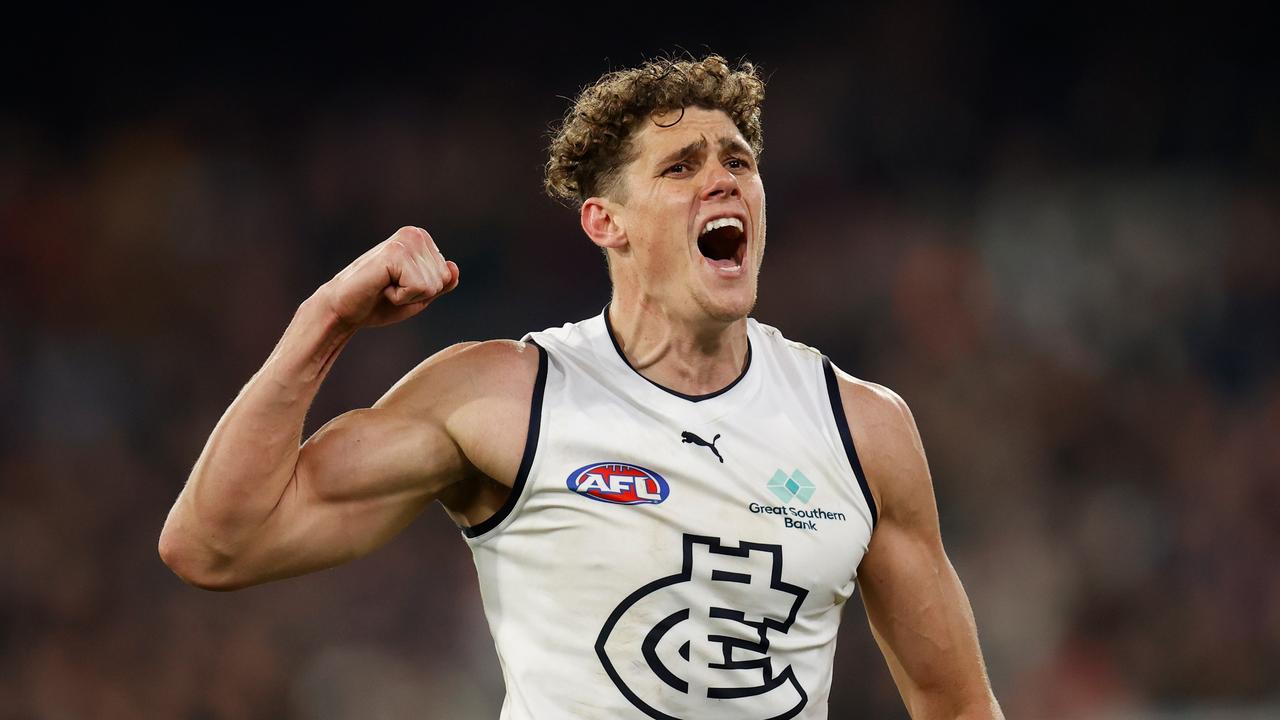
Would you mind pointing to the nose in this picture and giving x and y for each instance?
(721, 184)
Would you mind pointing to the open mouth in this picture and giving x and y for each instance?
(723, 242)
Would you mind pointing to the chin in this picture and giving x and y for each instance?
(729, 309)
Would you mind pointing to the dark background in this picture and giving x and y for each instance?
(1053, 231)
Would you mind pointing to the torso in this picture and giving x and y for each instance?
(632, 551)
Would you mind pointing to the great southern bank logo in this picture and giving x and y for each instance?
(795, 486)
(787, 488)
(619, 483)
(706, 641)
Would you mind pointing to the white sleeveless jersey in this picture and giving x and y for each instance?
(668, 556)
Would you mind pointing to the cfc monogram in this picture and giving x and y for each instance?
(696, 644)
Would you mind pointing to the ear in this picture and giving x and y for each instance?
(600, 223)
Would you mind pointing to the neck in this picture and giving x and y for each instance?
(690, 357)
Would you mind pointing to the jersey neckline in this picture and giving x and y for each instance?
(746, 367)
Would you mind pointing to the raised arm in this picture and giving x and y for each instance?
(919, 613)
(259, 505)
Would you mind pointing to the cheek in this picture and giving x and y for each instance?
(755, 192)
(761, 219)
(663, 244)
(670, 229)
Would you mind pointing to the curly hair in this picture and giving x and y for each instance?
(593, 142)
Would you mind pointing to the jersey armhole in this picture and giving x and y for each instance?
(846, 438)
(526, 460)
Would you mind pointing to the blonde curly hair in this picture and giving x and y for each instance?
(593, 141)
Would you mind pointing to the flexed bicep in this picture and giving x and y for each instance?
(360, 479)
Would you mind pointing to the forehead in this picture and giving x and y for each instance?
(669, 131)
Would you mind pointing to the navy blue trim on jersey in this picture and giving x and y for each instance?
(526, 460)
(691, 398)
(842, 424)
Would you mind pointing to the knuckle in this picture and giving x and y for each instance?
(411, 233)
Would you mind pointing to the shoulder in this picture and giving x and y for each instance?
(887, 441)
(773, 335)
(480, 395)
(466, 373)
(878, 409)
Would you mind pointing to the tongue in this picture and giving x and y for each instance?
(725, 263)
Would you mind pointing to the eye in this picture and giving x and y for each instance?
(734, 163)
(679, 168)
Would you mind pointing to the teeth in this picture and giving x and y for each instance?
(719, 223)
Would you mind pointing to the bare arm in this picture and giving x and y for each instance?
(918, 610)
(258, 504)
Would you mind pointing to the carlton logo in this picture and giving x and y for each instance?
(619, 483)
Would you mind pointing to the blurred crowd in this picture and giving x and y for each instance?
(1077, 298)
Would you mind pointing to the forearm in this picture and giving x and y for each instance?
(250, 457)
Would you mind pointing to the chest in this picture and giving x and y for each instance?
(631, 496)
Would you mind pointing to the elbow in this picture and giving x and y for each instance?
(197, 566)
(978, 705)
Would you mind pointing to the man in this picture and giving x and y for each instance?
(667, 504)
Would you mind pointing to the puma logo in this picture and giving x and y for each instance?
(686, 436)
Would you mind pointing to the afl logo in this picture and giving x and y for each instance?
(619, 483)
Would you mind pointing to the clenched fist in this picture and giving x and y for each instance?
(391, 282)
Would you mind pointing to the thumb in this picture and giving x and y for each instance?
(454, 275)
(400, 295)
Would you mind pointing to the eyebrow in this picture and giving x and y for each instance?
(732, 143)
(697, 146)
